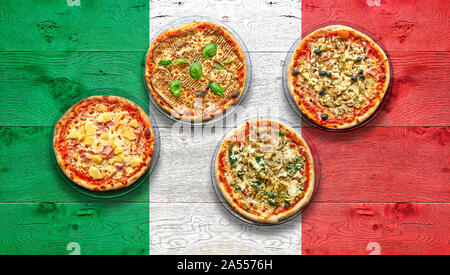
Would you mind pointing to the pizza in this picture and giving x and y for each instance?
(195, 71)
(265, 171)
(104, 143)
(338, 76)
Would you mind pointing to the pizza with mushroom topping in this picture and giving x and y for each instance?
(338, 76)
(265, 171)
(104, 143)
(195, 71)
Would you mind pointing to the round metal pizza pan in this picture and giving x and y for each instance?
(304, 117)
(317, 172)
(123, 191)
(229, 110)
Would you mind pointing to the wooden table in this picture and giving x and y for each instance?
(384, 188)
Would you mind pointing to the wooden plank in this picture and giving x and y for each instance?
(28, 174)
(36, 86)
(384, 164)
(118, 25)
(49, 80)
(401, 25)
(386, 228)
(368, 165)
(263, 25)
(208, 228)
(48, 228)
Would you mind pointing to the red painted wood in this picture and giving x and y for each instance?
(383, 164)
(399, 157)
(402, 25)
(398, 228)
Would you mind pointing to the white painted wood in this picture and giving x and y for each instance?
(186, 216)
(208, 228)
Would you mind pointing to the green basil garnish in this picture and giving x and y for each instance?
(218, 66)
(165, 62)
(210, 50)
(216, 88)
(195, 70)
(227, 61)
(180, 60)
(175, 87)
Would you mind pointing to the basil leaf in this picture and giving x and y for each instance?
(175, 87)
(195, 70)
(180, 60)
(216, 88)
(210, 50)
(218, 66)
(165, 62)
(227, 61)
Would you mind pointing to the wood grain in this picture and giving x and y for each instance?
(208, 228)
(50, 81)
(398, 228)
(105, 25)
(47, 228)
(401, 25)
(54, 53)
(27, 173)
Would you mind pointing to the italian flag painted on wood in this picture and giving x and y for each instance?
(51, 52)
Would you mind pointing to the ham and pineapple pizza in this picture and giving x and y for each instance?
(104, 143)
(195, 71)
(265, 171)
(338, 76)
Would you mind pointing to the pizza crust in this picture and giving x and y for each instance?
(85, 183)
(302, 203)
(291, 79)
(149, 66)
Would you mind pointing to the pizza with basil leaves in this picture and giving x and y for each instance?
(338, 76)
(104, 143)
(195, 71)
(265, 171)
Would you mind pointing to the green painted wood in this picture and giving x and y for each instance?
(52, 25)
(28, 174)
(47, 228)
(35, 86)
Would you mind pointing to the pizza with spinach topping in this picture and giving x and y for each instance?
(265, 171)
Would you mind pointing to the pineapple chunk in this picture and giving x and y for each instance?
(118, 159)
(97, 159)
(95, 173)
(105, 117)
(81, 134)
(88, 141)
(105, 136)
(129, 134)
(118, 150)
(134, 123)
(73, 133)
(90, 129)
